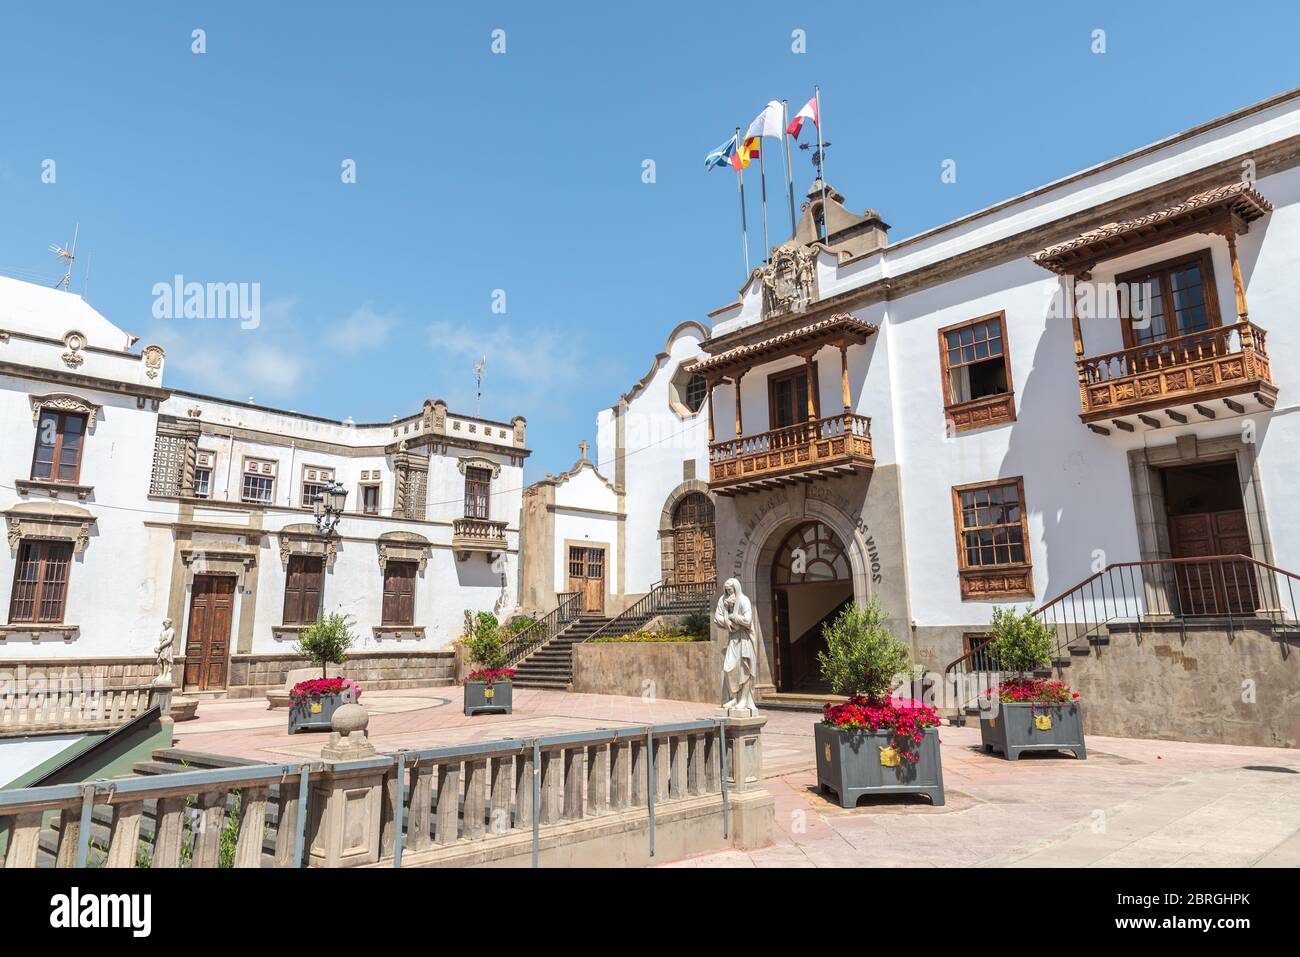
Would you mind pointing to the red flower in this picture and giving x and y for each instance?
(1033, 691)
(491, 675)
(305, 691)
(905, 718)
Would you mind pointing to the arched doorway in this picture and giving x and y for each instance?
(812, 579)
(694, 559)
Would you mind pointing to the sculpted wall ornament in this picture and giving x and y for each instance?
(789, 279)
(64, 402)
(153, 360)
(75, 341)
(478, 462)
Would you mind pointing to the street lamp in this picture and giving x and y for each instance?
(327, 507)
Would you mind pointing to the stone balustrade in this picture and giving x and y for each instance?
(70, 707)
(612, 797)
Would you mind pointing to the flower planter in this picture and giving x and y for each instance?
(851, 764)
(315, 714)
(1022, 726)
(482, 697)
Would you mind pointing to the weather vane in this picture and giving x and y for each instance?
(818, 155)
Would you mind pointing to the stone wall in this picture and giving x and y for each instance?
(1193, 684)
(676, 670)
(253, 675)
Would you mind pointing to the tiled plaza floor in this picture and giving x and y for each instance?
(1134, 802)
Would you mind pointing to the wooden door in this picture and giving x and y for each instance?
(693, 541)
(1218, 588)
(207, 639)
(587, 577)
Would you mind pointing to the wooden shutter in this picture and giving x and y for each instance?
(302, 587)
(399, 593)
(40, 582)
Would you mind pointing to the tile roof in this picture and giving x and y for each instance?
(851, 327)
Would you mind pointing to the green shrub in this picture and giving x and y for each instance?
(327, 641)
(1020, 642)
(649, 636)
(861, 656)
(697, 625)
(520, 623)
(486, 643)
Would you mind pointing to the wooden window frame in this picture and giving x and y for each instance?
(482, 476)
(1202, 258)
(993, 582)
(274, 477)
(61, 418)
(987, 410)
(389, 569)
(361, 497)
(41, 582)
(795, 372)
(301, 618)
(302, 485)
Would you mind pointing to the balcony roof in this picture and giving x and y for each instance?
(1237, 200)
(842, 329)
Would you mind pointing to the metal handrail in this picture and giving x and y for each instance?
(660, 595)
(1200, 597)
(541, 632)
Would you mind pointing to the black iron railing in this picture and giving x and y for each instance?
(540, 632)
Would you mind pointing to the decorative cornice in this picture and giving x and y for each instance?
(55, 521)
(64, 402)
(478, 462)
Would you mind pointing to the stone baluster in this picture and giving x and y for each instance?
(573, 768)
(169, 830)
(663, 767)
(286, 835)
(695, 771)
(552, 786)
(69, 835)
(207, 839)
(475, 797)
(524, 771)
(620, 797)
(24, 839)
(499, 808)
(640, 765)
(252, 824)
(448, 803)
(419, 816)
(679, 751)
(598, 779)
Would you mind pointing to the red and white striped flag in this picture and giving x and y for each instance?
(808, 112)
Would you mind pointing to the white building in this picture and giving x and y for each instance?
(1101, 370)
(128, 503)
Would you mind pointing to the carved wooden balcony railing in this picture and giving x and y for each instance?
(836, 445)
(477, 535)
(1220, 363)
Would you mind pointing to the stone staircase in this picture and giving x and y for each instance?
(551, 666)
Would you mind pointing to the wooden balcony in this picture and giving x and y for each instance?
(477, 535)
(820, 448)
(1177, 379)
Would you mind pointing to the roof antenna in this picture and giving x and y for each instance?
(478, 379)
(68, 254)
(85, 282)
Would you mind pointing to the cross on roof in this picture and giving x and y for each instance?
(582, 447)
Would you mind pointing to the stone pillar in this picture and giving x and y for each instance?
(753, 812)
(346, 805)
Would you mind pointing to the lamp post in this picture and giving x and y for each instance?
(327, 509)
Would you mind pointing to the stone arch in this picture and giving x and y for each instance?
(667, 538)
(761, 547)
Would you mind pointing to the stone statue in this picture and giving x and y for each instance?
(162, 653)
(740, 666)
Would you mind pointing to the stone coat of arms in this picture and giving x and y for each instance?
(789, 279)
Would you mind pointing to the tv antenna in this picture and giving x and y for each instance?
(478, 381)
(68, 255)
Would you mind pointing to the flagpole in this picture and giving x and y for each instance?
(762, 176)
(822, 153)
(744, 227)
(789, 175)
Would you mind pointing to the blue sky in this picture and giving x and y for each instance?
(522, 171)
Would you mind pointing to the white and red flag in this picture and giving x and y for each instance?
(809, 112)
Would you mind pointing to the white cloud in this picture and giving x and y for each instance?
(363, 329)
(531, 367)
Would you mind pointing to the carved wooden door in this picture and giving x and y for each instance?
(207, 639)
(694, 560)
(1218, 588)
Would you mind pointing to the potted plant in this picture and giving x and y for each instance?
(1028, 712)
(873, 743)
(487, 689)
(312, 703)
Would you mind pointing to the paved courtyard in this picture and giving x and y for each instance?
(1133, 803)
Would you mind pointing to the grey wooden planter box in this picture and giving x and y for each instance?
(848, 763)
(305, 717)
(482, 698)
(1013, 729)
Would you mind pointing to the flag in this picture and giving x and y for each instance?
(767, 123)
(741, 158)
(723, 155)
(809, 112)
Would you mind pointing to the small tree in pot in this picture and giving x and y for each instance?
(312, 703)
(488, 688)
(1027, 712)
(873, 743)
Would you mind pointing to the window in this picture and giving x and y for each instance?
(787, 397)
(302, 588)
(259, 482)
(478, 483)
(697, 387)
(976, 373)
(203, 462)
(370, 499)
(399, 593)
(1170, 299)
(40, 582)
(993, 539)
(59, 438)
(314, 480)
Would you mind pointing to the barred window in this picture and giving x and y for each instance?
(40, 582)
